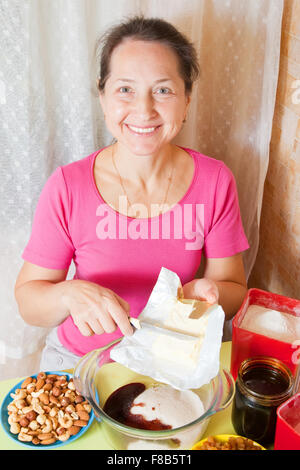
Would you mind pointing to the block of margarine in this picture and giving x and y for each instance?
(182, 352)
(187, 316)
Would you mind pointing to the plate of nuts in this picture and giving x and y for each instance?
(45, 410)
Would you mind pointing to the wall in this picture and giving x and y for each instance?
(277, 267)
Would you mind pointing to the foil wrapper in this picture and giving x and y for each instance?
(184, 351)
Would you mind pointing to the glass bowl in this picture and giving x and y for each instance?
(96, 376)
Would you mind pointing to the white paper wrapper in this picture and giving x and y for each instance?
(183, 363)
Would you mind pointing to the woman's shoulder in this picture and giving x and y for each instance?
(208, 165)
(72, 176)
(79, 167)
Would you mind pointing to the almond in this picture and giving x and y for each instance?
(40, 384)
(81, 422)
(74, 430)
(34, 433)
(26, 382)
(54, 400)
(83, 415)
(44, 398)
(45, 436)
(46, 442)
(48, 387)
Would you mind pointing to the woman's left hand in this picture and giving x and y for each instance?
(201, 289)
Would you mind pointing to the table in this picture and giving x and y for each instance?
(94, 439)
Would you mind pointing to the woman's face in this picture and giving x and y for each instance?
(144, 99)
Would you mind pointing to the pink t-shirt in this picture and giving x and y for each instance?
(73, 222)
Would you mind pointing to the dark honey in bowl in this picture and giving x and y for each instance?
(263, 383)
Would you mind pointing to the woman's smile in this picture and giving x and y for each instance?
(143, 131)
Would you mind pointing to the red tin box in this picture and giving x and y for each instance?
(286, 437)
(247, 344)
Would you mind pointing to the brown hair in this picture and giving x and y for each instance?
(149, 29)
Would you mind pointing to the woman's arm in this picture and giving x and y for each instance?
(223, 281)
(38, 292)
(45, 298)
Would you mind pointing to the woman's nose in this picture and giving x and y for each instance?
(144, 106)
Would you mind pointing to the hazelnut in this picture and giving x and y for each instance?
(31, 415)
(24, 422)
(56, 391)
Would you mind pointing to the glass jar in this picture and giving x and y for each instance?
(262, 384)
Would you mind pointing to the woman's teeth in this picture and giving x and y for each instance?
(141, 130)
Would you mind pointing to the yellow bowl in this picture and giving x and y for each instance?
(221, 438)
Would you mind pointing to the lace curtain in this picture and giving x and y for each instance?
(50, 113)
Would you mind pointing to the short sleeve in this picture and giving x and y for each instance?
(226, 236)
(50, 244)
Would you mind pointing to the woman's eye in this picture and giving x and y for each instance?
(124, 89)
(163, 91)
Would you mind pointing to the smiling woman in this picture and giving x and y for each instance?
(141, 113)
(146, 77)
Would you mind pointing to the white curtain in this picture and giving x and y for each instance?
(50, 113)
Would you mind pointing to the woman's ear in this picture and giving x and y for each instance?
(102, 101)
(188, 101)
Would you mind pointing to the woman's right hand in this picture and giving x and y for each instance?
(96, 309)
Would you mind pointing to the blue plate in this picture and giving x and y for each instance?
(4, 419)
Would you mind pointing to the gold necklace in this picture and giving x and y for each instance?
(170, 178)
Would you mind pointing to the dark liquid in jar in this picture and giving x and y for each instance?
(255, 420)
(119, 403)
(265, 381)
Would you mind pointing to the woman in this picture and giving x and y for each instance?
(137, 205)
